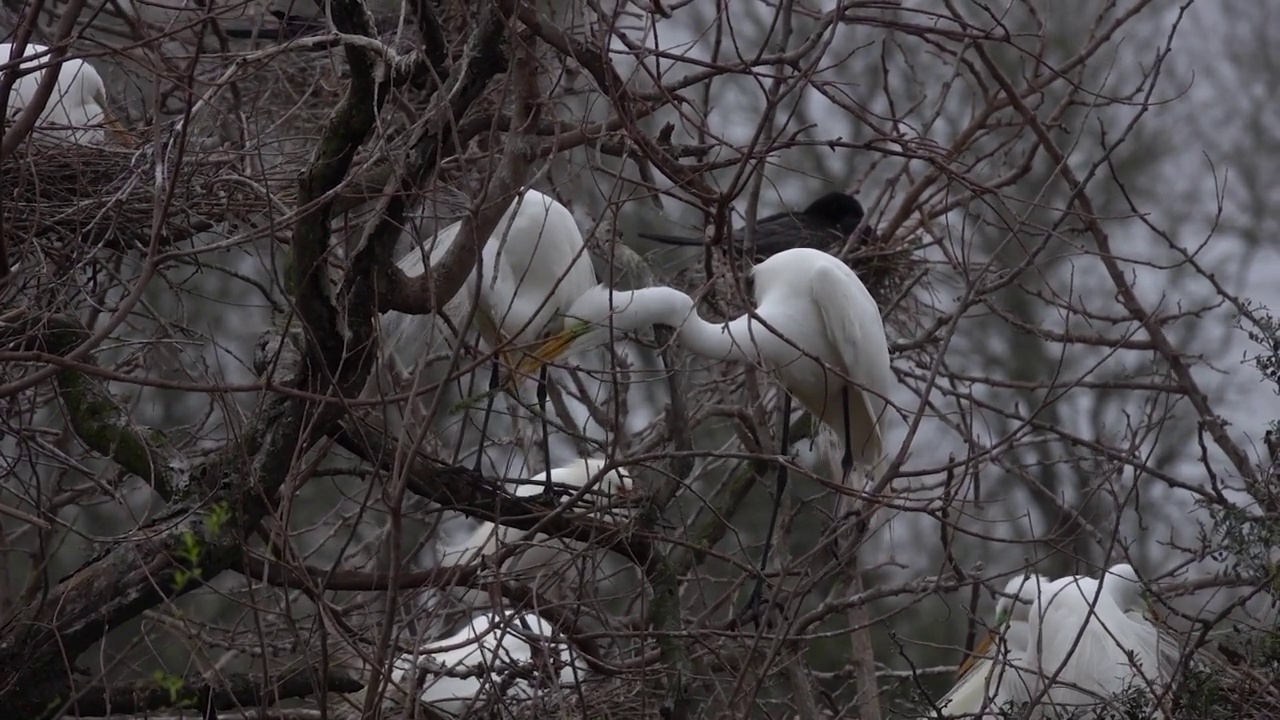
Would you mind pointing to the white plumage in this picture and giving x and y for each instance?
(488, 538)
(998, 673)
(1086, 640)
(77, 108)
(498, 656)
(531, 268)
(823, 315)
(1086, 637)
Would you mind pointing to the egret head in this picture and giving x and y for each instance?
(600, 313)
(1125, 586)
(88, 92)
(1014, 603)
(840, 210)
(1019, 593)
(586, 325)
(116, 128)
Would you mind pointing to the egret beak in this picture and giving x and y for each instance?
(112, 124)
(552, 349)
(530, 364)
(979, 651)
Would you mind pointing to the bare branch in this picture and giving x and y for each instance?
(230, 692)
(99, 419)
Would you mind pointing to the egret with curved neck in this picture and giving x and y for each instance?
(815, 327)
(531, 268)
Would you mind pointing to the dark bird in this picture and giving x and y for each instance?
(824, 225)
(288, 27)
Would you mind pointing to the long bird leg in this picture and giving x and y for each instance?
(550, 490)
(846, 470)
(846, 462)
(484, 421)
(752, 610)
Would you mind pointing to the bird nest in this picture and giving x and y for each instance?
(58, 191)
(887, 266)
(615, 699)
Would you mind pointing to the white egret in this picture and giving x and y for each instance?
(1087, 642)
(492, 659)
(531, 268)
(486, 539)
(1038, 622)
(815, 327)
(1125, 587)
(998, 673)
(77, 108)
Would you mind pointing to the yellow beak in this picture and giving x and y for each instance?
(112, 124)
(529, 366)
(979, 652)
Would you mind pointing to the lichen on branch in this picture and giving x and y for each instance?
(94, 414)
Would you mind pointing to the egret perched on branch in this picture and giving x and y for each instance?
(485, 539)
(531, 268)
(815, 327)
(492, 659)
(824, 224)
(77, 108)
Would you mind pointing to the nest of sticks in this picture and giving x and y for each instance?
(100, 194)
(615, 698)
(889, 266)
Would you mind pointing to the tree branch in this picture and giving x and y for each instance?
(520, 596)
(94, 414)
(329, 337)
(1212, 422)
(630, 109)
(473, 494)
(482, 59)
(200, 537)
(229, 693)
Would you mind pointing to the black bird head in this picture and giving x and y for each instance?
(841, 210)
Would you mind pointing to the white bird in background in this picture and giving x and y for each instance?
(492, 659)
(1089, 640)
(77, 109)
(998, 673)
(830, 350)
(1087, 637)
(532, 267)
(487, 538)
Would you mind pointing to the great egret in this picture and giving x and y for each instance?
(492, 658)
(532, 267)
(824, 224)
(485, 539)
(1087, 639)
(77, 108)
(997, 673)
(815, 327)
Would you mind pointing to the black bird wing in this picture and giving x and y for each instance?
(289, 27)
(673, 239)
(774, 234)
(777, 233)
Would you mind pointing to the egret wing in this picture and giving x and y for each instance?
(854, 329)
